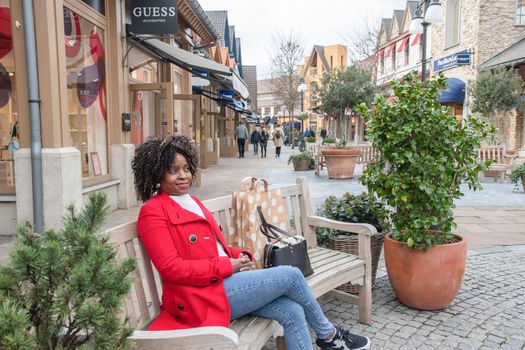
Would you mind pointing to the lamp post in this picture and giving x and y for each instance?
(302, 88)
(419, 24)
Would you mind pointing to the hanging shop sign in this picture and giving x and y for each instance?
(154, 17)
(460, 58)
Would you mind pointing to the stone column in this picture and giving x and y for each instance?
(121, 157)
(62, 184)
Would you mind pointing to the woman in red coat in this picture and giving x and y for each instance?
(206, 282)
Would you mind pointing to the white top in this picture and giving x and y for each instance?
(188, 203)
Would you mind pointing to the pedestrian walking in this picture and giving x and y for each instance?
(241, 134)
(323, 133)
(255, 139)
(278, 139)
(264, 142)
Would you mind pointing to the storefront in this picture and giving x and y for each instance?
(103, 90)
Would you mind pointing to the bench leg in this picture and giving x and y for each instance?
(365, 303)
(281, 345)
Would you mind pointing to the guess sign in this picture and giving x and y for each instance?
(154, 17)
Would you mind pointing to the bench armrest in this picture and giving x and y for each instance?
(362, 229)
(191, 338)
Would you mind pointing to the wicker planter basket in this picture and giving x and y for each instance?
(349, 244)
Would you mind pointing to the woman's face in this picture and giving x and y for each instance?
(177, 180)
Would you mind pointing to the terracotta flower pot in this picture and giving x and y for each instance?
(340, 162)
(425, 280)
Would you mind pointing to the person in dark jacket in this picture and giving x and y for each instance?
(323, 133)
(264, 142)
(255, 139)
(205, 281)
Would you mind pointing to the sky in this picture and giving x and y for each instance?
(316, 22)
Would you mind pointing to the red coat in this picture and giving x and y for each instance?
(193, 293)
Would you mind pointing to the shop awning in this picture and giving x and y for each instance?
(512, 55)
(454, 93)
(182, 58)
(239, 85)
(416, 40)
(389, 50)
(403, 43)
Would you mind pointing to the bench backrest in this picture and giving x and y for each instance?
(143, 303)
(368, 154)
(493, 152)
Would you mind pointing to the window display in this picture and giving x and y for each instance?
(86, 83)
(9, 132)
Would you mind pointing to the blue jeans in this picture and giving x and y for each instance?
(282, 294)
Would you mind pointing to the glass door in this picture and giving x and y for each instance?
(149, 111)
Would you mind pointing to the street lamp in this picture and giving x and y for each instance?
(302, 88)
(418, 25)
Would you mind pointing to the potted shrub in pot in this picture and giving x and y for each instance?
(424, 158)
(302, 161)
(340, 160)
(361, 208)
(518, 175)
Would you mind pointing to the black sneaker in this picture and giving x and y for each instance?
(344, 340)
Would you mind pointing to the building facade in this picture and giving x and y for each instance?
(105, 87)
(322, 60)
(473, 31)
(250, 77)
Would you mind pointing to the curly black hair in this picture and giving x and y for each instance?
(155, 157)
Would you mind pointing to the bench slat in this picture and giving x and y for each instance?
(139, 286)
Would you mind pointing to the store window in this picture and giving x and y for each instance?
(452, 23)
(9, 142)
(97, 5)
(520, 12)
(86, 84)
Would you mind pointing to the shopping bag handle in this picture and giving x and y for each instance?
(257, 182)
(269, 230)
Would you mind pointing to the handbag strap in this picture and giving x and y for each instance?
(270, 230)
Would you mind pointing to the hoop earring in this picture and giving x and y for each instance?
(157, 186)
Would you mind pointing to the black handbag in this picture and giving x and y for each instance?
(291, 250)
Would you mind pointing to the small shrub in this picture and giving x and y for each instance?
(311, 139)
(64, 289)
(361, 208)
(329, 139)
(299, 157)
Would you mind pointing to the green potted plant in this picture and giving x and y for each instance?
(65, 289)
(518, 174)
(329, 141)
(424, 157)
(361, 208)
(302, 161)
(311, 139)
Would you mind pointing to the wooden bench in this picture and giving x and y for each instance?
(368, 155)
(502, 161)
(331, 269)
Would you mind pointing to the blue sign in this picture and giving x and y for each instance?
(460, 58)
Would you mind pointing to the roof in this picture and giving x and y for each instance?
(386, 24)
(514, 54)
(233, 44)
(219, 20)
(203, 17)
(412, 6)
(398, 15)
(320, 54)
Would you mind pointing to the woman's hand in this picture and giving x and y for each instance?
(242, 263)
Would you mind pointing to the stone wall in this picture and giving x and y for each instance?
(486, 28)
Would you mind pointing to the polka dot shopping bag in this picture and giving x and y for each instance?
(245, 221)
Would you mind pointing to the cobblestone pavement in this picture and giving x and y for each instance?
(488, 313)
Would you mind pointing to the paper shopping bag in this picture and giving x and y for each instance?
(245, 221)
